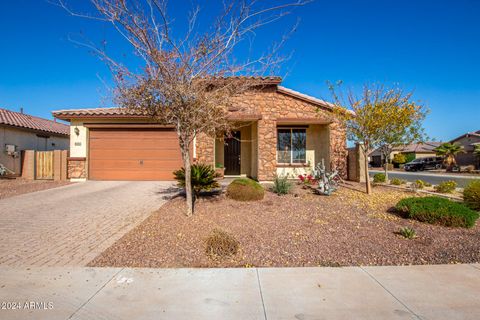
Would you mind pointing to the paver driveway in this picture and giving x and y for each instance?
(71, 225)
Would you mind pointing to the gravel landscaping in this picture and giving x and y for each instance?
(14, 187)
(299, 229)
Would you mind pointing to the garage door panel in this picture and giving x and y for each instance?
(133, 154)
(132, 144)
(135, 175)
(132, 133)
(140, 154)
(136, 165)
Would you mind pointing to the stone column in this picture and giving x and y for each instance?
(338, 148)
(267, 149)
(205, 149)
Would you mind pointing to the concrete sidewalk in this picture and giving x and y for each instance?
(413, 292)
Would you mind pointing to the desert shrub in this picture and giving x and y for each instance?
(397, 181)
(203, 178)
(244, 189)
(419, 184)
(471, 195)
(446, 187)
(407, 232)
(379, 177)
(281, 185)
(436, 210)
(399, 158)
(220, 244)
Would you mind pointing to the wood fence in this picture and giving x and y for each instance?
(44, 165)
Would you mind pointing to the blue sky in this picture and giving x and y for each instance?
(431, 47)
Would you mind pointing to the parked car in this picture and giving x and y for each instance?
(420, 164)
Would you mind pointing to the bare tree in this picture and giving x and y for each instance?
(189, 81)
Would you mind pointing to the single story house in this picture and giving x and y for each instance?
(416, 150)
(20, 131)
(280, 131)
(468, 142)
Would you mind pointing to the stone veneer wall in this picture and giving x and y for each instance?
(205, 149)
(77, 168)
(273, 105)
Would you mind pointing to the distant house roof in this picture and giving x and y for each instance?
(21, 120)
(425, 147)
(473, 134)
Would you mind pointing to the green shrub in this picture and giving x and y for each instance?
(471, 195)
(220, 244)
(436, 210)
(281, 185)
(446, 187)
(409, 157)
(203, 178)
(244, 189)
(379, 177)
(397, 181)
(407, 232)
(419, 184)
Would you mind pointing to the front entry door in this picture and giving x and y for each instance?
(232, 154)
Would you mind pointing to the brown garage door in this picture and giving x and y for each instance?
(133, 154)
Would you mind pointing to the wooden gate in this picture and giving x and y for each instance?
(44, 165)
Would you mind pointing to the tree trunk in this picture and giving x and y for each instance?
(367, 175)
(188, 179)
(386, 171)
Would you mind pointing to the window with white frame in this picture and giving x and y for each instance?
(291, 145)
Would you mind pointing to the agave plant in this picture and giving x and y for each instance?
(203, 178)
(408, 233)
(449, 151)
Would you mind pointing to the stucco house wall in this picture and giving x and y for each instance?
(25, 139)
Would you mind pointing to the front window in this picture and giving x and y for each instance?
(291, 145)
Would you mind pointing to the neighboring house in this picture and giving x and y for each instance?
(468, 141)
(281, 132)
(417, 150)
(19, 131)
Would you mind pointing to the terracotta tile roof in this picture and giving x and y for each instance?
(305, 97)
(94, 112)
(264, 80)
(22, 120)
